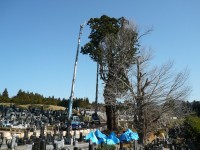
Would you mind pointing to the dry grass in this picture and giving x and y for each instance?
(5, 104)
(46, 107)
(53, 107)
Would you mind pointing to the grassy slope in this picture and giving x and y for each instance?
(46, 107)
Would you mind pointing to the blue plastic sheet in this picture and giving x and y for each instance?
(124, 137)
(133, 135)
(110, 142)
(102, 140)
(129, 135)
(91, 136)
(98, 137)
(113, 137)
(99, 134)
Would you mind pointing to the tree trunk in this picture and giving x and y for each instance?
(109, 114)
(139, 120)
(141, 127)
(111, 117)
(110, 103)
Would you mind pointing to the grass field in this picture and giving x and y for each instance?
(46, 107)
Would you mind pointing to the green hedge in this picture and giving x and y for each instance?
(106, 147)
(192, 127)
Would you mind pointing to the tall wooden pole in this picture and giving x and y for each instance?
(97, 80)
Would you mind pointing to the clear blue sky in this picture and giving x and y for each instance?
(38, 41)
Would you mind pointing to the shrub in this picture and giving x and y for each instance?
(106, 147)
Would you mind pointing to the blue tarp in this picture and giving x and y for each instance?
(113, 137)
(133, 135)
(99, 134)
(110, 140)
(102, 140)
(91, 136)
(124, 137)
(129, 135)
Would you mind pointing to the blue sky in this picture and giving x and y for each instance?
(38, 41)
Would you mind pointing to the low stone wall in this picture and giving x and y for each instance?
(76, 133)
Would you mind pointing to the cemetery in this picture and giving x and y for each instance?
(39, 129)
(35, 128)
(145, 104)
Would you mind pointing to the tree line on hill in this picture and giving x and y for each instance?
(23, 98)
(192, 108)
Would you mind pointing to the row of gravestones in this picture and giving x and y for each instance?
(41, 142)
(57, 140)
(160, 144)
(36, 111)
(7, 143)
(38, 143)
(33, 117)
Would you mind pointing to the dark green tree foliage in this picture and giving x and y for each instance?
(191, 107)
(80, 102)
(23, 97)
(64, 103)
(192, 127)
(5, 96)
(100, 27)
(196, 107)
(5, 93)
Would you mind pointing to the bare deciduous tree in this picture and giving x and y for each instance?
(154, 92)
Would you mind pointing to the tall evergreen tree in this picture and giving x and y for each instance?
(5, 93)
(5, 96)
(0, 98)
(103, 31)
